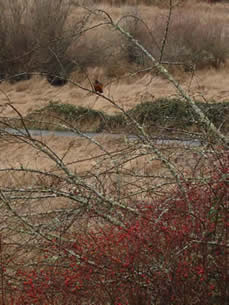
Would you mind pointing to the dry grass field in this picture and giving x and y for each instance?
(113, 219)
(127, 92)
(122, 83)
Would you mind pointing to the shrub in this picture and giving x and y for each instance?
(15, 37)
(36, 36)
(178, 114)
(44, 36)
(174, 252)
(54, 38)
(134, 24)
(55, 80)
(162, 113)
(195, 38)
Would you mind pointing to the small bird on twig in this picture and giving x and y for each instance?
(98, 86)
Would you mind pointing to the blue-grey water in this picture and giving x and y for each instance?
(156, 140)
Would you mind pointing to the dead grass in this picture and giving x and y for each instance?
(101, 47)
(137, 170)
(129, 91)
(15, 153)
(160, 3)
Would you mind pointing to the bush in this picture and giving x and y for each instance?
(43, 36)
(56, 81)
(195, 38)
(162, 115)
(174, 252)
(135, 25)
(36, 36)
(15, 37)
(178, 114)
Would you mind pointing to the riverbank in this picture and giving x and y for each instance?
(162, 117)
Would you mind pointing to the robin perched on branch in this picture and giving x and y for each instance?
(98, 86)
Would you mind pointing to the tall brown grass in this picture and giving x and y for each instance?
(161, 3)
(49, 36)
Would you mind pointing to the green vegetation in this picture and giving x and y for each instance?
(163, 114)
(178, 114)
(70, 112)
(58, 116)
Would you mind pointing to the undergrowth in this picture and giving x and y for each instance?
(174, 251)
(162, 114)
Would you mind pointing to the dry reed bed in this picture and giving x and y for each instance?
(101, 47)
(101, 56)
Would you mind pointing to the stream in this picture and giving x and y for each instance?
(41, 133)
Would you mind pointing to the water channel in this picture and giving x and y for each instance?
(41, 133)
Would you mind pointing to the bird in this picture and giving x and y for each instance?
(98, 86)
